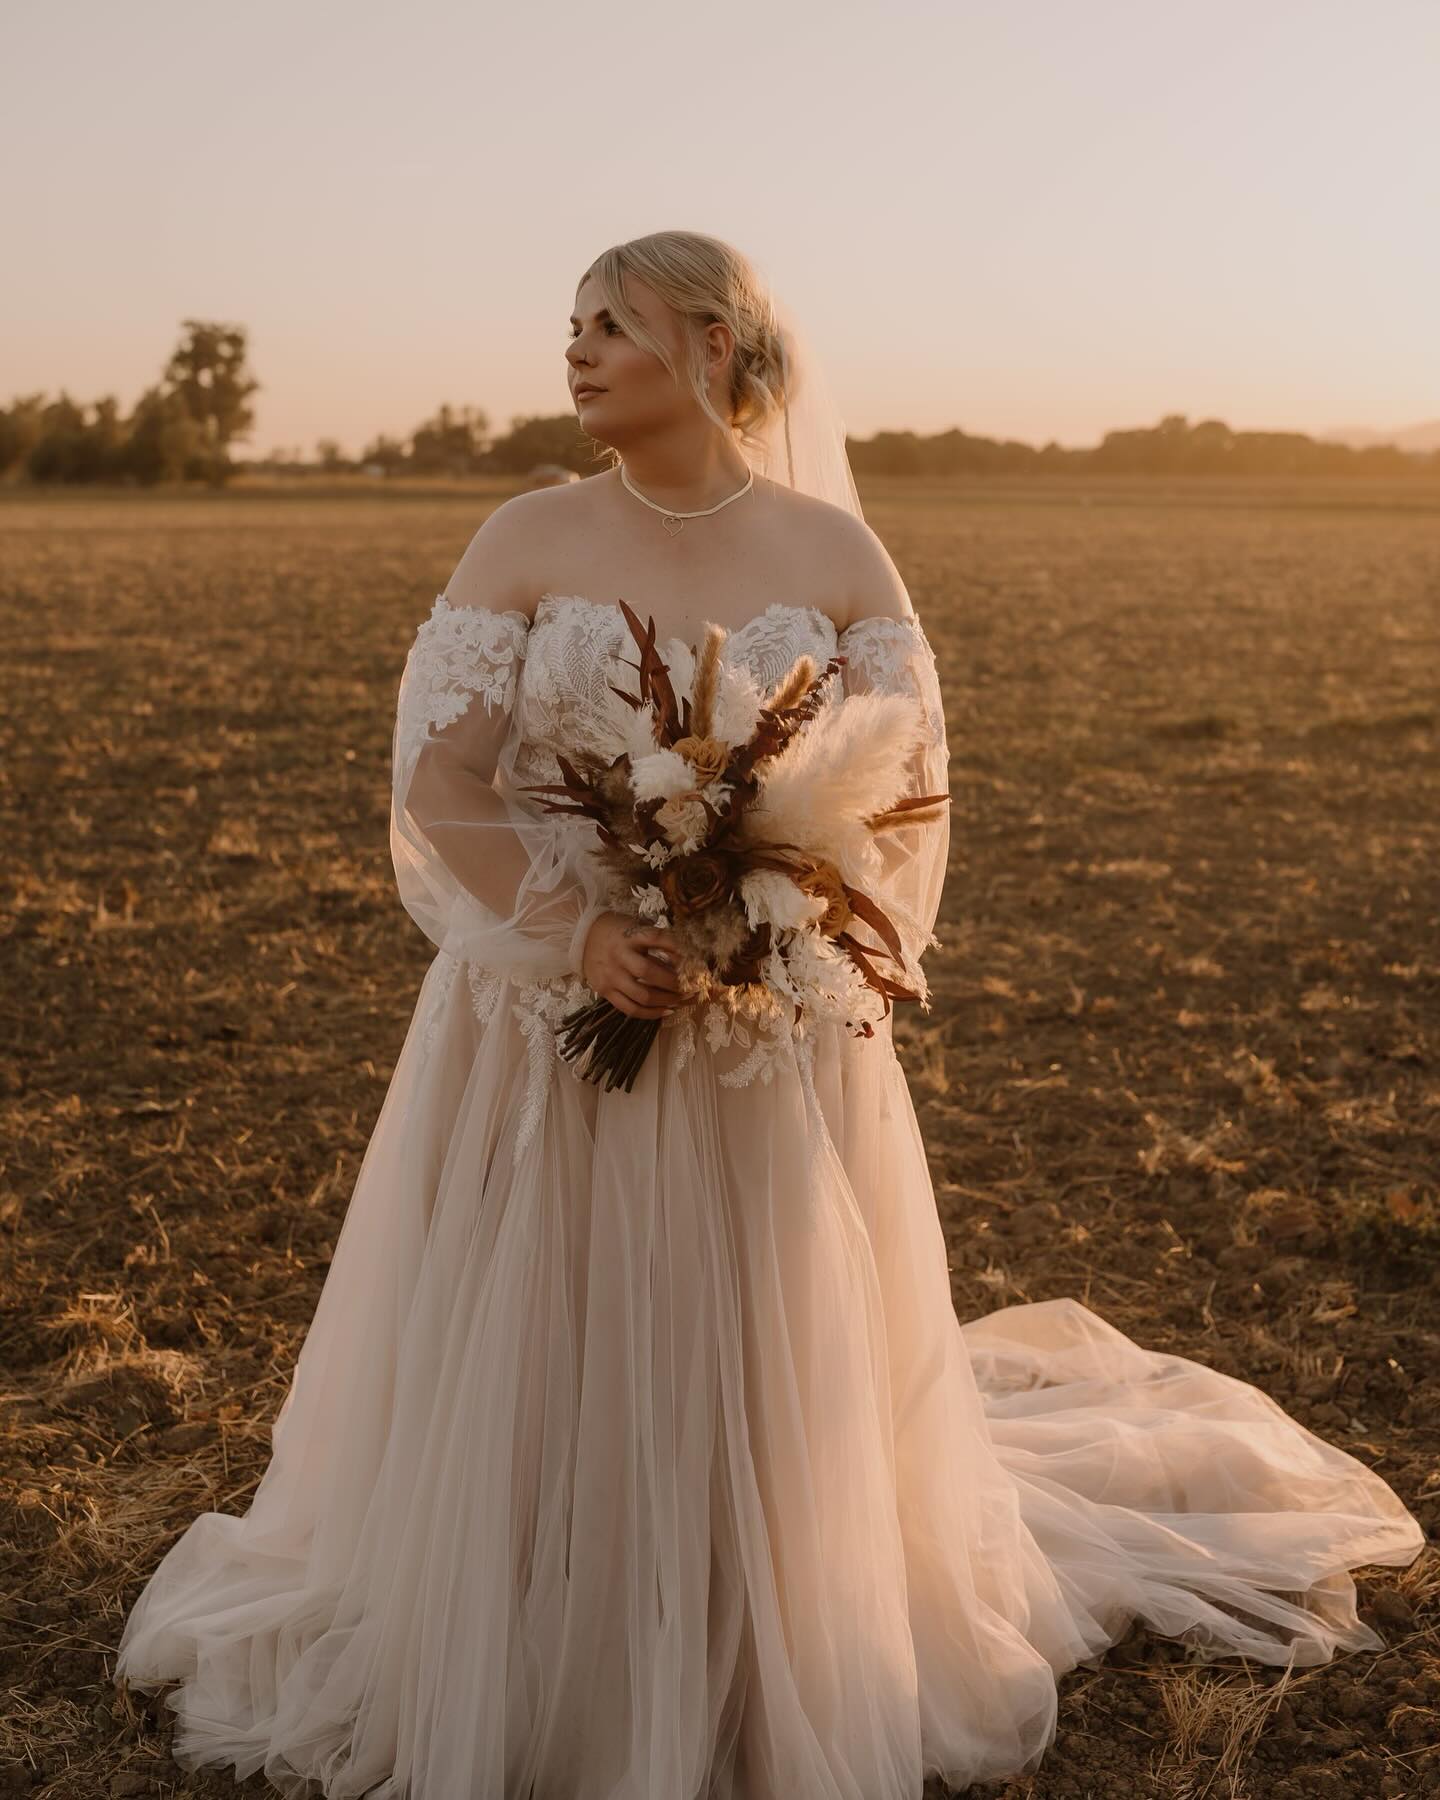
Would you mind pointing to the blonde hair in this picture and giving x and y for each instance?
(706, 281)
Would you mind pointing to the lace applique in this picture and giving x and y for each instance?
(683, 1022)
(563, 692)
(485, 989)
(564, 687)
(893, 656)
(438, 983)
(458, 652)
(765, 1046)
(773, 639)
(538, 1008)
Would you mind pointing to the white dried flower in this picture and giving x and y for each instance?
(738, 700)
(773, 899)
(650, 902)
(654, 855)
(660, 775)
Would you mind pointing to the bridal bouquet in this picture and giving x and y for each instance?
(744, 824)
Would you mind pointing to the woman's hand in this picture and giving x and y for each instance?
(618, 965)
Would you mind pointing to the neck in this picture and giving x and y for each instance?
(685, 469)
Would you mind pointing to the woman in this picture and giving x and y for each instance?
(635, 1448)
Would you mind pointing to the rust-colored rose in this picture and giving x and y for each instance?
(707, 756)
(822, 880)
(692, 883)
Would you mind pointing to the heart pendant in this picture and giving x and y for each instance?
(672, 524)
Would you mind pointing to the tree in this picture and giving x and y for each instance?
(451, 443)
(207, 370)
(20, 428)
(165, 443)
(57, 453)
(388, 452)
(556, 439)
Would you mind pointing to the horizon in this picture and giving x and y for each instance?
(1427, 429)
(1063, 231)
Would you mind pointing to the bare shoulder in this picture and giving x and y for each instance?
(856, 567)
(497, 571)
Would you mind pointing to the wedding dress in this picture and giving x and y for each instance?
(635, 1451)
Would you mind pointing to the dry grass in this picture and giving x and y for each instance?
(1184, 1061)
(1213, 1726)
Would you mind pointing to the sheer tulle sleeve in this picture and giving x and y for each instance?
(893, 656)
(484, 872)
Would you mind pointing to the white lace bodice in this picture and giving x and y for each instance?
(564, 670)
(553, 671)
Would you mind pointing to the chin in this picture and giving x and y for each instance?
(593, 418)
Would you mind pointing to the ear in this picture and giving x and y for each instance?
(719, 346)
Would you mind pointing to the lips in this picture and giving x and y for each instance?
(587, 387)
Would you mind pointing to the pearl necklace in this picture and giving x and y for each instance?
(679, 518)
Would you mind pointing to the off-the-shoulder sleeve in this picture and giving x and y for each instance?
(893, 656)
(484, 872)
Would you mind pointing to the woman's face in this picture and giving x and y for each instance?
(636, 393)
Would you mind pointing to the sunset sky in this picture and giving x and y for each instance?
(1027, 218)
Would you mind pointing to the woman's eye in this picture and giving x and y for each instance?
(609, 324)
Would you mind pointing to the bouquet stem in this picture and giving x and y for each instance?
(616, 1043)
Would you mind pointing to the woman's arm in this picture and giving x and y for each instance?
(887, 652)
(481, 868)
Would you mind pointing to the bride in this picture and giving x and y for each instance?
(635, 1451)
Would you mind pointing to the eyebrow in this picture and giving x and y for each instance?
(604, 313)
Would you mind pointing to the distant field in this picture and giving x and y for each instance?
(1184, 1060)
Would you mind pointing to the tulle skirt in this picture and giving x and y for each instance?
(650, 1462)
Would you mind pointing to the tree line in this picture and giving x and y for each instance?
(1173, 447)
(183, 428)
(180, 429)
